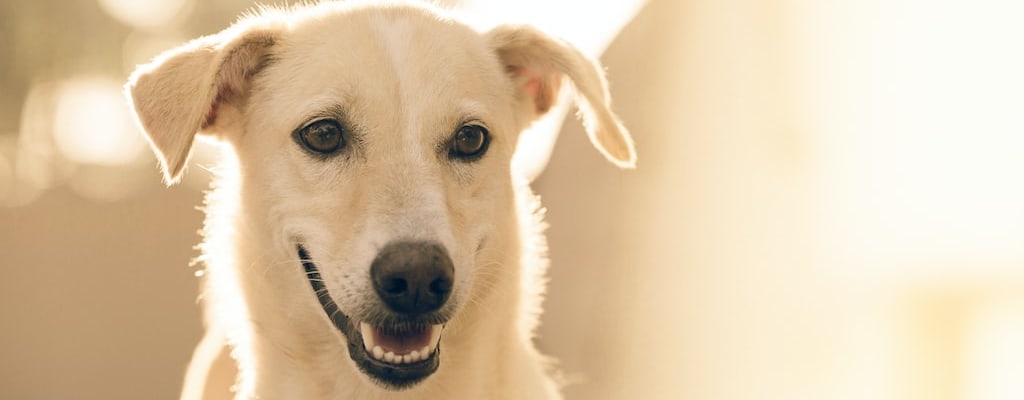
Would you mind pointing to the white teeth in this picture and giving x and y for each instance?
(367, 331)
(435, 336)
(379, 353)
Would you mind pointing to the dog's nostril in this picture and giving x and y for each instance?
(395, 286)
(441, 286)
(412, 277)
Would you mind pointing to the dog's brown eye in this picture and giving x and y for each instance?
(322, 137)
(470, 143)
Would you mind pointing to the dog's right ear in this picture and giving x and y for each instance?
(537, 63)
(197, 87)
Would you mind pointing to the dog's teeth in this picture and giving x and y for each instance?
(435, 335)
(380, 353)
(367, 332)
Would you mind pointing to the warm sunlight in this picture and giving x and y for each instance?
(921, 168)
(828, 201)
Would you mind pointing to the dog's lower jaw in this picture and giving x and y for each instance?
(504, 364)
(475, 372)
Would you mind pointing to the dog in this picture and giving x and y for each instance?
(367, 235)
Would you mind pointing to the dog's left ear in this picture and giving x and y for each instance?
(197, 87)
(537, 64)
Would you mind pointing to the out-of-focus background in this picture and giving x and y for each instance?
(829, 202)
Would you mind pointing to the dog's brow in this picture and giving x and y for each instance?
(468, 111)
(472, 109)
(323, 108)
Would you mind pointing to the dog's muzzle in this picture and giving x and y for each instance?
(398, 343)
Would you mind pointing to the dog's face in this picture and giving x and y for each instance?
(380, 148)
(374, 149)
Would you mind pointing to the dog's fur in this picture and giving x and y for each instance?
(401, 79)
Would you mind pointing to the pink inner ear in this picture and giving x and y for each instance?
(211, 113)
(224, 92)
(536, 84)
(233, 77)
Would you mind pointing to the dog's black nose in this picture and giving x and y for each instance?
(413, 277)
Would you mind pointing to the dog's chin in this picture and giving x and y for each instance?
(395, 353)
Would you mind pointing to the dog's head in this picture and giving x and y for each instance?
(374, 148)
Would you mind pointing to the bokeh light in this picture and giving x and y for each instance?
(146, 14)
(93, 124)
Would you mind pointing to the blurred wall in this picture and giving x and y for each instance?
(829, 204)
(692, 272)
(98, 301)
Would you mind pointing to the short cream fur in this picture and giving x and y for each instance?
(401, 78)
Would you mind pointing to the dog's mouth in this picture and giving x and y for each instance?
(395, 354)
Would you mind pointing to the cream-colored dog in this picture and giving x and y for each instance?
(367, 236)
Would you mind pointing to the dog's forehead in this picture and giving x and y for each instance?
(408, 61)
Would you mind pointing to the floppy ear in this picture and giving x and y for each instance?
(196, 87)
(537, 64)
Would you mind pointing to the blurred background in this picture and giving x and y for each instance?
(829, 202)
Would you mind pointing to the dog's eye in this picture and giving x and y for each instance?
(470, 143)
(322, 137)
